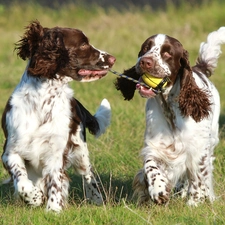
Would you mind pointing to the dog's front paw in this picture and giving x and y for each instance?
(198, 192)
(55, 203)
(158, 185)
(30, 194)
(159, 191)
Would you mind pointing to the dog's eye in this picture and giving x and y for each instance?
(167, 55)
(145, 49)
(83, 46)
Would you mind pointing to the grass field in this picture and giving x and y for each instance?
(115, 155)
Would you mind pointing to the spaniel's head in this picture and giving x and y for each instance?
(163, 56)
(62, 51)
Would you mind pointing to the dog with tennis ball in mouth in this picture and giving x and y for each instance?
(154, 83)
(181, 121)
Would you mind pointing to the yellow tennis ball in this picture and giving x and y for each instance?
(152, 81)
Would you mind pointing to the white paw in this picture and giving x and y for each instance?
(29, 193)
(198, 193)
(54, 204)
(159, 191)
(158, 184)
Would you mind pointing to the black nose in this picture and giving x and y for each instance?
(146, 62)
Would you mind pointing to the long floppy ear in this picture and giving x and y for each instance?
(193, 101)
(126, 86)
(29, 43)
(45, 49)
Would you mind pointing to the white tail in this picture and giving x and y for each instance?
(103, 116)
(210, 51)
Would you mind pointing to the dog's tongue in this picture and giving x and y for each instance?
(145, 92)
(84, 72)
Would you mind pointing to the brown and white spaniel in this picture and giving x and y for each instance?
(44, 124)
(181, 121)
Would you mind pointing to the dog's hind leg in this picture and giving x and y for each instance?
(92, 190)
(79, 158)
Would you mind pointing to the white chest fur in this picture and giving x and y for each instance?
(40, 115)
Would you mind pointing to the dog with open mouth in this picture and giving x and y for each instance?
(181, 118)
(44, 125)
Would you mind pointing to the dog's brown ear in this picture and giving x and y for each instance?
(29, 42)
(50, 56)
(44, 48)
(126, 86)
(193, 101)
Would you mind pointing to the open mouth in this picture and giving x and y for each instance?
(156, 85)
(91, 75)
(144, 91)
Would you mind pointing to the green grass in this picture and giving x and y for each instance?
(115, 155)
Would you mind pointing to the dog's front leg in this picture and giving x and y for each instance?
(201, 181)
(158, 184)
(56, 185)
(24, 187)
